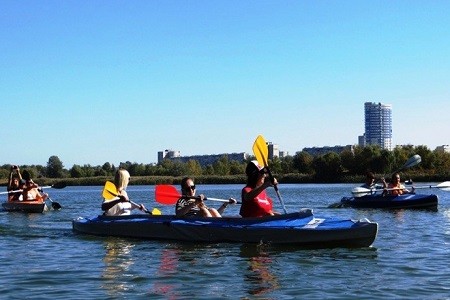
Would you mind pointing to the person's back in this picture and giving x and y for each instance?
(31, 192)
(122, 205)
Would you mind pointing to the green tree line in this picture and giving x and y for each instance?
(347, 166)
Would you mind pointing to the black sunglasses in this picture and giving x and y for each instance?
(192, 187)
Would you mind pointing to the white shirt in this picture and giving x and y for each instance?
(121, 209)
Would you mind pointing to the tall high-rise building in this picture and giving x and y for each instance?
(378, 124)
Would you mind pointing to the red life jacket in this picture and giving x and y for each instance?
(257, 207)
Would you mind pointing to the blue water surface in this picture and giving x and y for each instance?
(42, 258)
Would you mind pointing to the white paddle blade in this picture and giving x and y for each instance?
(445, 186)
(412, 161)
(360, 191)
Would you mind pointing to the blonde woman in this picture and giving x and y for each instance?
(121, 206)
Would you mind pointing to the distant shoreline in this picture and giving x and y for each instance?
(228, 179)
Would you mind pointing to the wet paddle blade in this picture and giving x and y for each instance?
(59, 185)
(56, 205)
(166, 194)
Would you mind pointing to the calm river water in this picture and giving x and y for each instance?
(42, 258)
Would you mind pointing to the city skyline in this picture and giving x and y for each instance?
(97, 82)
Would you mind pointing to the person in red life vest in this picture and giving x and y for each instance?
(255, 201)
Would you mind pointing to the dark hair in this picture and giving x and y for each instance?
(394, 176)
(370, 175)
(184, 183)
(252, 172)
(26, 175)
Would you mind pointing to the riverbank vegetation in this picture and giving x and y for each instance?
(348, 166)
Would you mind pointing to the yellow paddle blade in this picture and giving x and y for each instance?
(156, 211)
(109, 191)
(261, 150)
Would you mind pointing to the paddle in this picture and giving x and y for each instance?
(110, 193)
(55, 205)
(360, 191)
(58, 185)
(169, 195)
(411, 162)
(262, 153)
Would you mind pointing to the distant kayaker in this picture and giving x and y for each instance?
(255, 201)
(196, 207)
(121, 206)
(31, 191)
(370, 181)
(15, 183)
(395, 187)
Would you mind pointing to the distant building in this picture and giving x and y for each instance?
(378, 124)
(316, 151)
(284, 154)
(167, 154)
(273, 150)
(443, 148)
(362, 140)
(203, 160)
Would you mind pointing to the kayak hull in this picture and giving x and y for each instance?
(301, 229)
(25, 206)
(418, 201)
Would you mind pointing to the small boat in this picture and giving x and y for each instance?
(421, 201)
(25, 206)
(300, 229)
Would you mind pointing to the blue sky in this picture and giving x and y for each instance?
(112, 81)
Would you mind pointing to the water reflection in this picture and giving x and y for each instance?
(168, 267)
(260, 276)
(118, 260)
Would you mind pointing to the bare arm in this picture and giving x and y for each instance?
(256, 191)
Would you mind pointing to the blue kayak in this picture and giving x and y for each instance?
(400, 201)
(300, 228)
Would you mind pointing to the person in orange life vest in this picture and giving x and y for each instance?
(395, 187)
(31, 191)
(255, 201)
